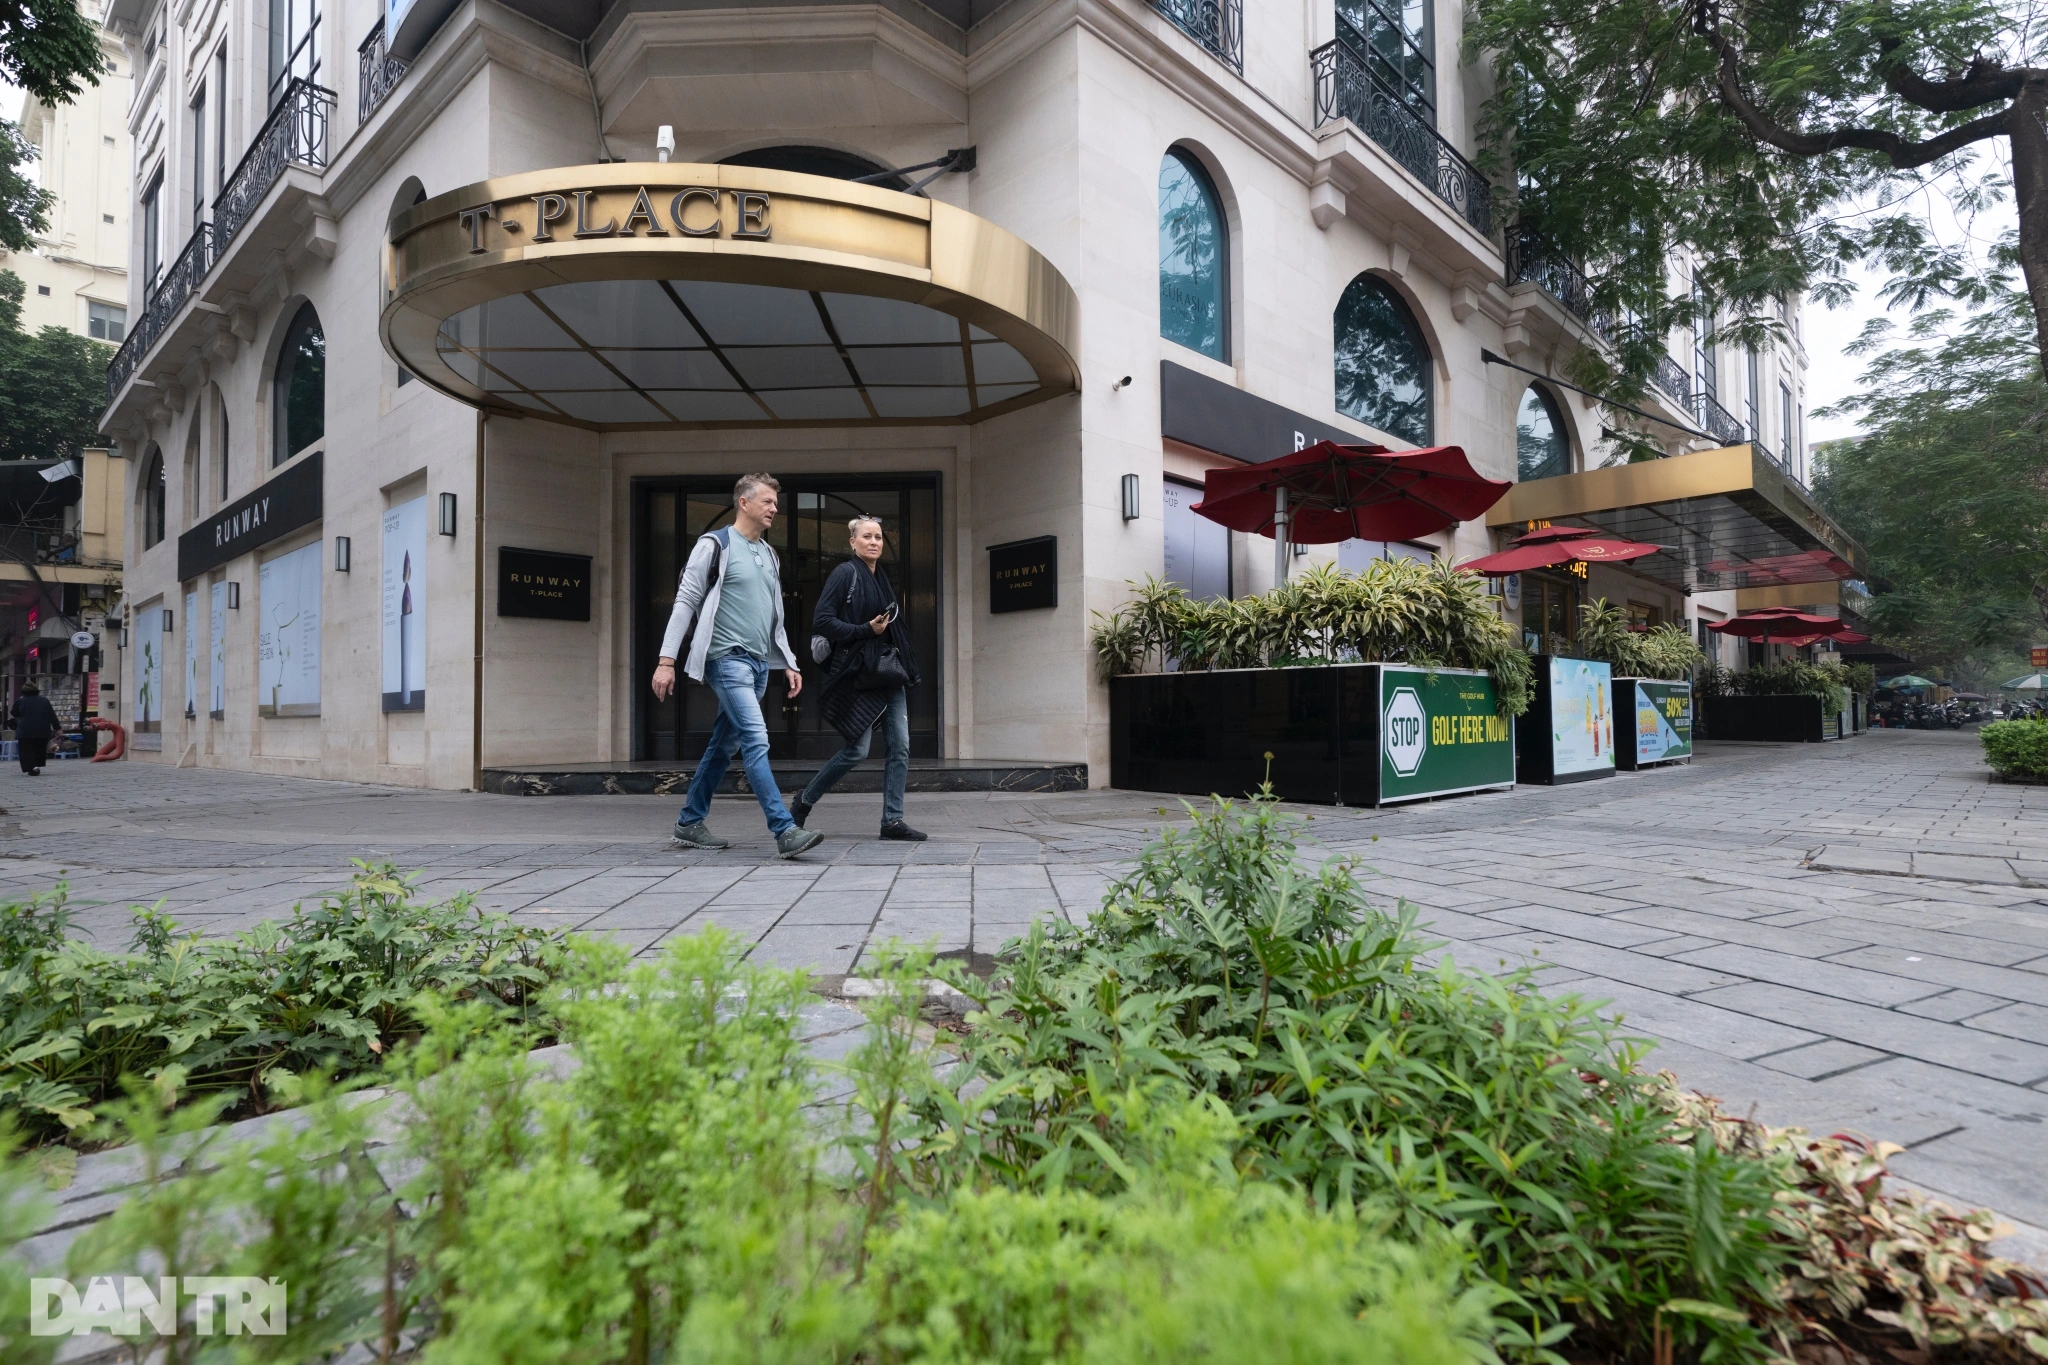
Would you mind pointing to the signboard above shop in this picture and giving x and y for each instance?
(1212, 415)
(284, 504)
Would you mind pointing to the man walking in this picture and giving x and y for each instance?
(35, 720)
(732, 587)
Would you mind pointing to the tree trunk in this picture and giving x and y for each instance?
(2029, 131)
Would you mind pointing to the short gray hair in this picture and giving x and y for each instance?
(853, 526)
(750, 485)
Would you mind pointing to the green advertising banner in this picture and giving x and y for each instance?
(1663, 720)
(1440, 733)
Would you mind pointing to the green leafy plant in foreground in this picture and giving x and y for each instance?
(326, 991)
(2016, 748)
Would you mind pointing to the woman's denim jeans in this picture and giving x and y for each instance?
(895, 769)
(740, 680)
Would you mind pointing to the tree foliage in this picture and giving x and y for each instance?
(1739, 135)
(50, 49)
(53, 384)
(1948, 491)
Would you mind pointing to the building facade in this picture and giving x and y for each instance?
(77, 276)
(459, 353)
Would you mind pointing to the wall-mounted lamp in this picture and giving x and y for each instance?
(234, 597)
(1300, 549)
(170, 621)
(341, 554)
(447, 514)
(124, 635)
(1130, 497)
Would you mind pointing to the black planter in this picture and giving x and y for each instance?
(1653, 719)
(1776, 720)
(1198, 733)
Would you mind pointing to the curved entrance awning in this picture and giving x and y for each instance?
(648, 296)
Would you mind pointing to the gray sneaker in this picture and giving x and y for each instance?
(796, 839)
(697, 836)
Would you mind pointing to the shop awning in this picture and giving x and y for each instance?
(1727, 518)
(645, 296)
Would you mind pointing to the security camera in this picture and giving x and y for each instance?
(1123, 383)
(664, 142)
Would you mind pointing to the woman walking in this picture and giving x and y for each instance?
(868, 677)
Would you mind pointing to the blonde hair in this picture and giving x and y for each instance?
(853, 526)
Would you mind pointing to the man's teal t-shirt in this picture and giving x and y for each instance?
(747, 592)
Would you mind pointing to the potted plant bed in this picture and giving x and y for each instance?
(1334, 734)
(1789, 719)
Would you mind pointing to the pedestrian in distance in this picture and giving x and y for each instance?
(868, 676)
(731, 590)
(35, 720)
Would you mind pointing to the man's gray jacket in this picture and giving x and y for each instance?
(697, 589)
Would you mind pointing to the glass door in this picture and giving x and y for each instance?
(809, 537)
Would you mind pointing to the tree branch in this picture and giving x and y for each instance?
(1904, 154)
(1984, 81)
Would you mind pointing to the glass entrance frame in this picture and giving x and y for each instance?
(810, 539)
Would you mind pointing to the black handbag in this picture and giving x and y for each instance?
(887, 671)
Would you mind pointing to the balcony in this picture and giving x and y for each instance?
(295, 134)
(166, 296)
(1348, 88)
(1218, 25)
(1672, 378)
(1716, 420)
(378, 73)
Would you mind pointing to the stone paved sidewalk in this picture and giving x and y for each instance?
(1851, 936)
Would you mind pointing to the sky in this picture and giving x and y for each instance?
(1831, 373)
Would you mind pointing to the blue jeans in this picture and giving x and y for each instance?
(895, 770)
(740, 681)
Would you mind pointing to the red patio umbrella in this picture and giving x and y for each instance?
(1543, 535)
(1592, 550)
(1329, 493)
(1788, 626)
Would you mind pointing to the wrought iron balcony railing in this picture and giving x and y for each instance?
(378, 73)
(1531, 260)
(167, 294)
(1718, 422)
(1346, 87)
(294, 134)
(1217, 25)
(1672, 378)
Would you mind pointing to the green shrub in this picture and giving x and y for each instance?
(1393, 611)
(1796, 678)
(1666, 651)
(2016, 748)
(326, 991)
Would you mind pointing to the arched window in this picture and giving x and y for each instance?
(1194, 258)
(299, 391)
(153, 499)
(1542, 450)
(1383, 363)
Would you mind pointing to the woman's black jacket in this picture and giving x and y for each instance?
(851, 597)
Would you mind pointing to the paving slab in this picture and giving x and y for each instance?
(1850, 936)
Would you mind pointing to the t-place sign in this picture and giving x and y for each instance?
(1407, 731)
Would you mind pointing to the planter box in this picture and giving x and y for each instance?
(1345, 734)
(1778, 720)
(1569, 733)
(1658, 715)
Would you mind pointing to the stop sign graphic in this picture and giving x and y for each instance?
(1407, 736)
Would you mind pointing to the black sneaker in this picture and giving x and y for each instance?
(800, 811)
(898, 830)
(795, 840)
